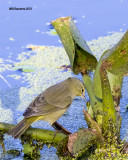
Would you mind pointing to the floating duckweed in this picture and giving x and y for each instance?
(14, 76)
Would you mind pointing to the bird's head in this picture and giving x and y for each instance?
(79, 88)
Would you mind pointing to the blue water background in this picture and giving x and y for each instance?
(94, 18)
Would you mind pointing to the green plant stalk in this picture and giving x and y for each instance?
(96, 79)
(38, 134)
(116, 86)
(114, 80)
(96, 105)
(93, 125)
(109, 113)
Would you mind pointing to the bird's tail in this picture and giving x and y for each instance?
(21, 127)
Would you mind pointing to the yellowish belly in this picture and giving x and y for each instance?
(52, 117)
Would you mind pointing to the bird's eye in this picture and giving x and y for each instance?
(82, 90)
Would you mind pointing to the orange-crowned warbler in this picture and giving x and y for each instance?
(50, 105)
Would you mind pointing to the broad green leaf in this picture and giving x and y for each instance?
(116, 59)
(25, 68)
(80, 56)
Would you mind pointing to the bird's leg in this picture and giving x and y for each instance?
(60, 128)
(55, 133)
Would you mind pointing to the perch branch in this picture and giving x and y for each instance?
(37, 134)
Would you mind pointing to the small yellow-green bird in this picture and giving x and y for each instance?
(50, 105)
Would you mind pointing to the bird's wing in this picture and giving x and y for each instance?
(52, 99)
(39, 107)
(59, 96)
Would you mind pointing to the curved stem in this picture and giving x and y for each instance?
(96, 105)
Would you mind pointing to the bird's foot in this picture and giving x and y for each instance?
(55, 134)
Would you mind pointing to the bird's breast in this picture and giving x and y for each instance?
(52, 117)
